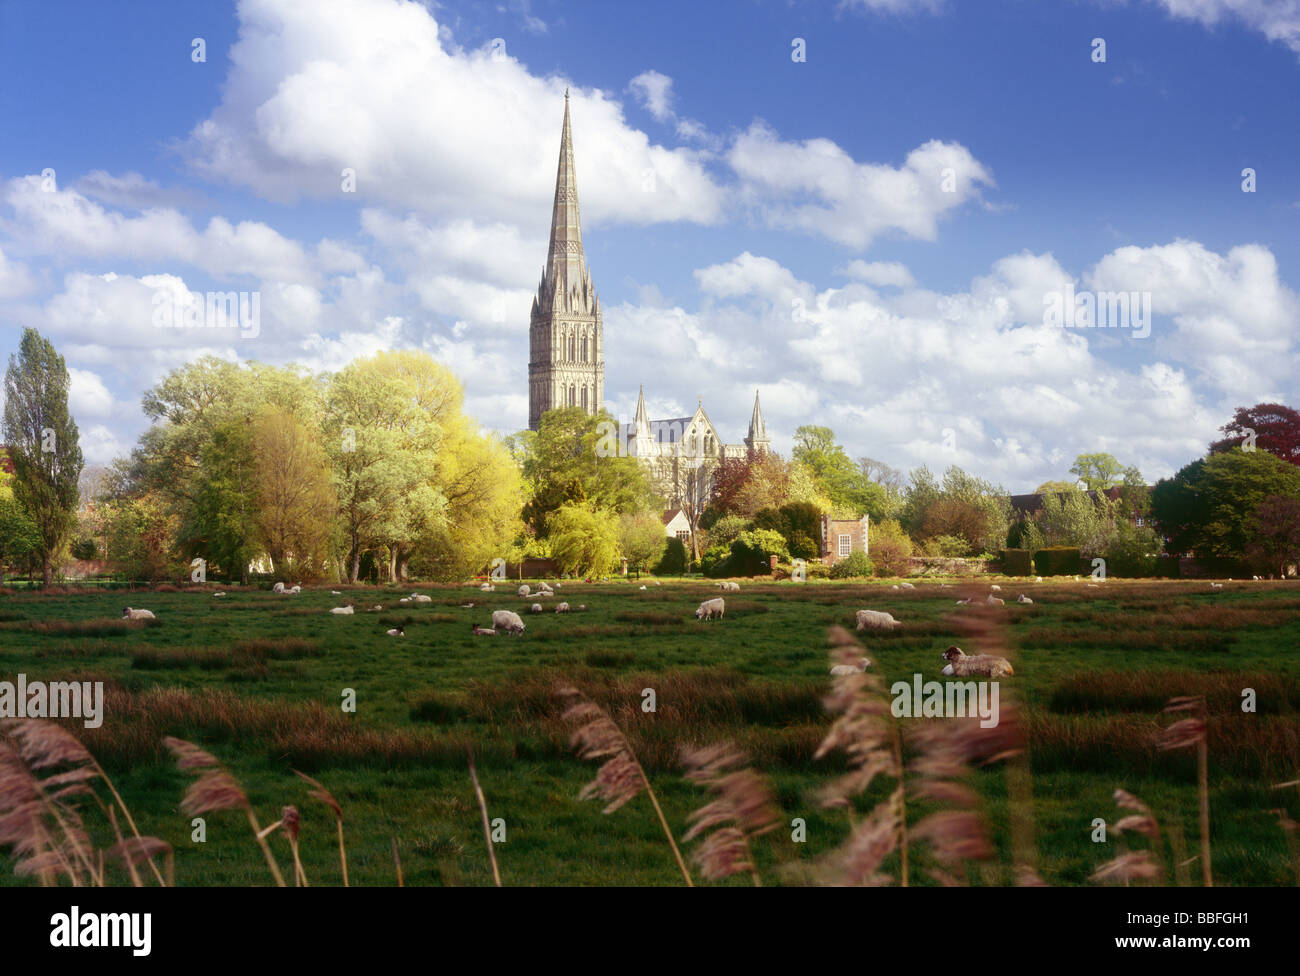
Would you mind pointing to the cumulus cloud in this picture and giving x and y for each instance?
(816, 187)
(15, 279)
(879, 273)
(655, 92)
(87, 394)
(374, 88)
(1278, 20)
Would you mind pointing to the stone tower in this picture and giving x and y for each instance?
(566, 341)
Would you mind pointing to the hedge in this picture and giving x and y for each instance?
(1017, 562)
(1057, 561)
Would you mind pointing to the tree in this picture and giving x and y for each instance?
(851, 492)
(1207, 506)
(1275, 535)
(570, 463)
(1076, 518)
(1055, 486)
(890, 549)
(295, 495)
(220, 522)
(642, 539)
(43, 444)
(1097, 471)
(584, 539)
(19, 539)
(1270, 427)
(745, 486)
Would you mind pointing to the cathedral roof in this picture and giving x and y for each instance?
(566, 283)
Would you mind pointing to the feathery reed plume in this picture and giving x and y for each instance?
(871, 740)
(482, 806)
(743, 808)
(1134, 865)
(956, 835)
(326, 797)
(1193, 732)
(291, 821)
(214, 790)
(620, 778)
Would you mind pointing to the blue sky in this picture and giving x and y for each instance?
(750, 222)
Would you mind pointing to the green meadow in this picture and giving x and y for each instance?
(260, 680)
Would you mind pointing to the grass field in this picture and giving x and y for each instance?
(258, 680)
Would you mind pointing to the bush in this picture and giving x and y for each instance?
(726, 529)
(949, 546)
(891, 549)
(674, 560)
(853, 565)
(714, 561)
(803, 547)
(1017, 562)
(752, 552)
(813, 569)
(1057, 561)
(85, 549)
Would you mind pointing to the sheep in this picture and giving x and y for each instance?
(1216, 586)
(467, 606)
(964, 602)
(995, 601)
(906, 586)
(343, 610)
(487, 587)
(336, 593)
(561, 608)
(129, 614)
(711, 608)
(642, 587)
(987, 665)
(396, 632)
(421, 598)
(507, 620)
(278, 588)
(861, 666)
(405, 599)
(995, 588)
(295, 590)
(482, 631)
(376, 607)
(1038, 579)
(876, 620)
(218, 594)
(582, 606)
(535, 608)
(524, 590)
(894, 587)
(1023, 599)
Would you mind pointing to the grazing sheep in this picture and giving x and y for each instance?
(561, 608)
(862, 665)
(336, 593)
(482, 631)
(467, 606)
(1216, 586)
(894, 587)
(487, 587)
(421, 598)
(218, 594)
(994, 601)
(343, 610)
(1038, 579)
(710, 609)
(396, 632)
(129, 614)
(524, 590)
(965, 602)
(405, 599)
(1023, 599)
(295, 590)
(535, 608)
(582, 606)
(642, 587)
(278, 588)
(376, 607)
(906, 586)
(986, 665)
(995, 588)
(507, 620)
(876, 620)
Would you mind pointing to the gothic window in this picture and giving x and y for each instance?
(573, 348)
(584, 391)
(584, 348)
(573, 398)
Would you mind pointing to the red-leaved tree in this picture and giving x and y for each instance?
(1275, 428)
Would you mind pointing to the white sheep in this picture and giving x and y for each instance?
(396, 632)
(295, 590)
(642, 587)
(487, 587)
(711, 608)
(405, 599)
(218, 594)
(278, 588)
(906, 586)
(582, 606)
(964, 602)
(861, 666)
(986, 665)
(994, 601)
(336, 593)
(876, 620)
(1023, 599)
(894, 587)
(535, 608)
(421, 598)
(343, 610)
(129, 614)
(561, 608)
(1216, 586)
(995, 588)
(507, 620)
(1038, 579)
(482, 631)
(524, 590)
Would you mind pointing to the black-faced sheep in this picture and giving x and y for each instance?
(983, 665)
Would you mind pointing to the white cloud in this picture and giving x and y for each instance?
(1278, 20)
(655, 92)
(880, 273)
(87, 394)
(894, 6)
(424, 124)
(15, 279)
(816, 187)
(100, 445)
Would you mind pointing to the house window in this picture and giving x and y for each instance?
(1140, 520)
(684, 535)
(846, 544)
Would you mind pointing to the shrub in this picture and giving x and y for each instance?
(674, 559)
(726, 529)
(852, 565)
(714, 560)
(1017, 562)
(752, 551)
(891, 548)
(803, 547)
(1057, 561)
(948, 546)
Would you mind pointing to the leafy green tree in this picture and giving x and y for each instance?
(570, 462)
(1055, 486)
(220, 524)
(675, 559)
(1075, 518)
(851, 492)
(1207, 507)
(43, 444)
(19, 538)
(890, 548)
(642, 539)
(1275, 535)
(584, 539)
(1097, 471)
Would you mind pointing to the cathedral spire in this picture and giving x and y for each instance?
(757, 439)
(565, 267)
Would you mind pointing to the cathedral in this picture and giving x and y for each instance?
(566, 365)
